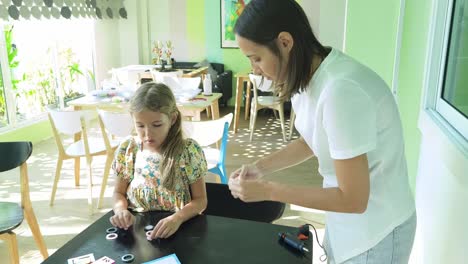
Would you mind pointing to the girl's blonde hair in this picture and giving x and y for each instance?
(157, 97)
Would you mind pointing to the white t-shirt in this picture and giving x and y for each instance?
(348, 110)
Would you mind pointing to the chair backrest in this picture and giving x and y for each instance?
(189, 83)
(158, 76)
(207, 132)
(118, 124)
(261, 83)
(14, 154)
(182, 83)
(70, 123)
(222, 203)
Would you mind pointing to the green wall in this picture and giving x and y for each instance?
(34, 133)
(371, 33)
(371, 38)
(411, 78)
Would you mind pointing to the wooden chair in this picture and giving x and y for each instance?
(207, 133)
(113, 125)
(71, 123)
(260, 102)
(222, 203)
(15, 154)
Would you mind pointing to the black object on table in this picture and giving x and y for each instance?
(203, 239)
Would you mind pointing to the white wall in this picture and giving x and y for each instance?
(327, 18)
(128, 35)
(107, 48)
(441, 198)
(332, 26)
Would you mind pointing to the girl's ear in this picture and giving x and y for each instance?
(173, 118)
(285, 41)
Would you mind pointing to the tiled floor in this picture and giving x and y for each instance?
(69, 216)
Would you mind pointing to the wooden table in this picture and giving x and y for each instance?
(189, 73)
(191, 108)
(242, 77)
(202, 239)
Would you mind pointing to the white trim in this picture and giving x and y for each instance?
(345, 26)
(10, 100)
(431, 122)
(396, 58)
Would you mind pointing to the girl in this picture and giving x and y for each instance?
(159, 169)
(348, 119)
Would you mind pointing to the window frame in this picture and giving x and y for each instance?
(435, 109)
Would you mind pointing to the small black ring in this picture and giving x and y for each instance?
(149, 227)
(127, 258)
(111, 230)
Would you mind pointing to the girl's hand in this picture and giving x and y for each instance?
(122, 219)
(165, 227)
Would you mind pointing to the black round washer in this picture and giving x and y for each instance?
(127, 258)
(149, 227)
(111, 230)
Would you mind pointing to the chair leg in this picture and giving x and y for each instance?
(90, 189)
(247, 100)
(292, 118)
(77, 172)
(223, 175)
(56, 179)
(253, 118)
(220, 172)
(12, 243)
(104, 179)
(32, 221)
(281, 114)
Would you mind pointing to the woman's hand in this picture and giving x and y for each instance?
(122, 219)
(250, 190)
(248, 171)
(165, 227)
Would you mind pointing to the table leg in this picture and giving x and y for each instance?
(239, 88)
(215, 110)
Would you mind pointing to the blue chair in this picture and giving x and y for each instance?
(207, 133)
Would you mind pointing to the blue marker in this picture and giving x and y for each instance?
(292, 242)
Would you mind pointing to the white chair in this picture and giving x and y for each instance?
(260, 102)
(114, 125)
(183, 88)
(73, 123)
(207, 133)
(158, 76)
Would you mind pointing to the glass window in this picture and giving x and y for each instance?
(452, 98)
(50, 61)
(455, 86)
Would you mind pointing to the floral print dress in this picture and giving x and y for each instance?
(140, 168)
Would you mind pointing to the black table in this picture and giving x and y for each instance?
(203, 239)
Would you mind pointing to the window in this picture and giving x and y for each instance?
(446, 99)
(50, 63)
(452, 101)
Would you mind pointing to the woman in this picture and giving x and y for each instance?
(348, 119)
